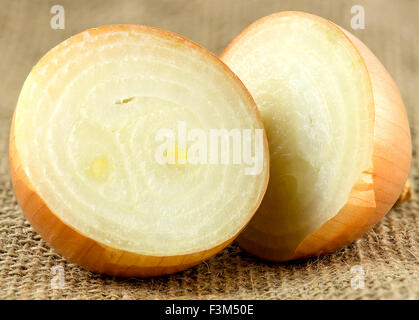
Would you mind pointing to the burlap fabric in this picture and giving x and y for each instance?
(388, 254)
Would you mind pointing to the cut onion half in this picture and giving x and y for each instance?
(338, 134)
(83, 144)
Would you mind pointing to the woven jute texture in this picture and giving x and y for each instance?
(387, 254)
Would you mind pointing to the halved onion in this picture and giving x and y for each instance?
(83, 145)
(338, 134)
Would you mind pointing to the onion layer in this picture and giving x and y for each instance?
(338, 134)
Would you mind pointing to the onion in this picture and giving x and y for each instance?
(338, 134)
(82, 152)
